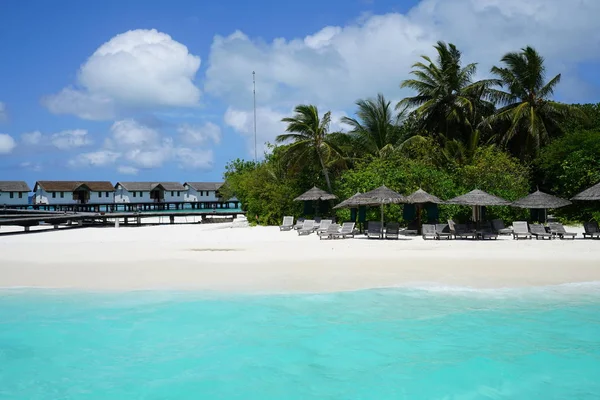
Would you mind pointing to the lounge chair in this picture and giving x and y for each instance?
(374, 230)
(558, 230)
(486, 232)
(428, 232)
(287, 225)
(307, 228)
(411, 229)
(299, 223)
(392, 230)
(324, 225)
(460, 231)
(539, 231)
(591, 229)
(332, 229)
(317, 223)
(346, 231)
(443, 231)
(521, 230)
(499, 228)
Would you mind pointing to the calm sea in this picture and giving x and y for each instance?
(374, 344)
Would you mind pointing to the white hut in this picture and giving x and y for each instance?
(73, 192)
(14, 193)
(202, 191)
(149, 192)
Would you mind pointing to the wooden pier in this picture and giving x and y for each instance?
(142, 206)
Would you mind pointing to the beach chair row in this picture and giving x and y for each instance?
(325, 229)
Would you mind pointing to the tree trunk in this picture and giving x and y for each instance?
(326, 174)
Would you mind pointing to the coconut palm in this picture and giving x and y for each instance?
(309, 140)
(527, 117)
(448, 103)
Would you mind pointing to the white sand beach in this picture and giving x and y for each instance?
(230, 257)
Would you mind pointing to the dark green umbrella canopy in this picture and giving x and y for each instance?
(315, 194)
(541, 200)
(478, 198)
(591, 194)
(422, 197)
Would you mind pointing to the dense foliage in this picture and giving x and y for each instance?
(503, 135)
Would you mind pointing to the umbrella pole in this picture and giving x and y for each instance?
(381, 232)
(419, 226)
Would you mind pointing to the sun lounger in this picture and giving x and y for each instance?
(591, 229)
(346, 231)
(332, 229)
(287, 225)
(374, 230)
(539, 231)
(499, 228)
(299, 223)
(558, 230)
(485, 231)
(462, 232)
(428, 232)
(324, 225)
(521, 230)
(307, 228)
(392, 230)
(443, 231)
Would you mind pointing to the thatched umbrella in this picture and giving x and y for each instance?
(478, 198)
(541, 201)
(351, 202)
(591, 194)
(419, 198)
(315, 194)
(379, 197)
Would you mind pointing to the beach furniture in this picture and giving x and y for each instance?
(374, 230)
(499, 228)
(428, 231)
(411, 229)
(539, 231)
(317, 223)
(307, 228)
(287, 225)
(331, 230)
(558, 230)
(486, 232)
(460, 231)
(346, 231)
(591, 230)
(443, 231)
(324, 225)
(521, 230)
(299, 223)
(392, 230)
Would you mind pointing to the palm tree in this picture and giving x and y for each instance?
(448, 103)
(310, 140)
(527, 117)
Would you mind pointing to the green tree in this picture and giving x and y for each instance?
(528, 117)
(448, 103)
(310, 141)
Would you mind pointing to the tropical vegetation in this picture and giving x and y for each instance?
(505, 135)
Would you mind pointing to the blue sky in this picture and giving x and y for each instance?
(138, 90)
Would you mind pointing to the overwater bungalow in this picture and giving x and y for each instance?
(202, 191)
(14, 193)
(73, 192)
(149, 192)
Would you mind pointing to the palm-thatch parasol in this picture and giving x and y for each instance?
(478, 198)
(315, 194)
(591, 194)
(351, 202)
(419, 198)
(379, 197)
(541, 201)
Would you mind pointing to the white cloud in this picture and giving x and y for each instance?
(143, 147)
(199, 134)
(126, 170)
(31, 138)
(71, 139)
(136, 69)
(101, 158)
(338, 65)
(7, 143)
(31, 166)
(3, 112)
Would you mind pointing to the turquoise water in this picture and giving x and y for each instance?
(374, 344)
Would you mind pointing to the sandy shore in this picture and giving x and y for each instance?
(225, 257)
